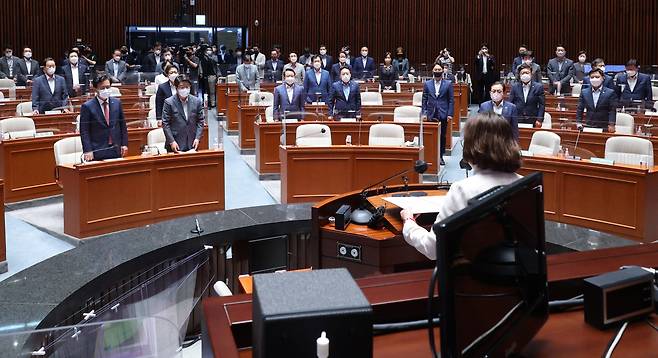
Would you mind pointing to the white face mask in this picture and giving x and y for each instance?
(560, 53)
(346, 77)
(526, 77)
(157, 52)
(364, 53)
(73, 60)
(104, 93)
(317, 65)
(50, 71)
(27, 54)
(631, 73)
(173, 76)
(117, 58)
(496, 96)
(602, 68)
(183, 92)
(581, 58)
(323, 52)
(596, 81)
(527, 62)
(290, 80)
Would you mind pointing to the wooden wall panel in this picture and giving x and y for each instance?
(613, 29)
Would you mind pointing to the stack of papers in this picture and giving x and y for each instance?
(417, 204)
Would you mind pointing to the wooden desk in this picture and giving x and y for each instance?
(3, 243)
(310, 174)
(221, 94)
(268, 139)
(234, 99)
(28, 164)
(403, 297)
(107, 196)
(593, 142)
(619, 199)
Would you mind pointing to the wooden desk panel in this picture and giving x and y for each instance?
(310, 174)
(618, 199)
(268, 139)
(3, 242)
(108, 196)
(221, 94)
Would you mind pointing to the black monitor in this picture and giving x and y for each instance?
(491, 262)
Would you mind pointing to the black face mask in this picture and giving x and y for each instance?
(438, 74)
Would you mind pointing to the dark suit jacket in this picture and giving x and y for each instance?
(389, 77)
(491, 68)
(163, 92)
(605, 111)
(509, 113)
(438, 107)
(4, 66)
(641, 92)
(150, 64)
(82, 77)
(24, 75)
(109, 70)
(329, 61)
(313, 88)
(95, 132)
(360, 71)
(556, 74)
(335, 71)
(270, 73)
(338, 104)
(43, 100)
(183, 130)
(532, 108)
(282, 104)
(607, 82)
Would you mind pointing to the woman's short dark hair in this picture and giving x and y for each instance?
(489, 143)
(182, 78)
(169, 67)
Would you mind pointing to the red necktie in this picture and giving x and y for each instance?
(106, 111)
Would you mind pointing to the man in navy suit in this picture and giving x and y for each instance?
(600, 103)
(528, 97)
(607, 80)
(501, 107)
(153, 59)
(317, 82)
(288, 97)
(75, 76)
(344, 96)
(364, 66)
(49, 91)
(103, 130)
(438, 102)
(327, 60)
(274, 67)
(165, 90)
(634, 86)
(336, 67)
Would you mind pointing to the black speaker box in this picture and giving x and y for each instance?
(292, 309)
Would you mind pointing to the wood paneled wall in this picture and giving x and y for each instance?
(613, 29)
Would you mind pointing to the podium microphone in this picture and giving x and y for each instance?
(363, 215)
(580, 130)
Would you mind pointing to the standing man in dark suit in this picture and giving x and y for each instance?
(74, 74)
(274, 67)
(317, 82)
(336, 67)
(634, 86)
(9, 64)
(485, 72)
(49, 90)
(327, 60)
(182, 118)
(438, 102)
(116, 67)
(608, 81)
(165, 90)
(103, 130)
(288, 97)
(364, 66)
(28, 68)
(167, 58)
(560, 71)
(153, 59)
(518, 60)
(501, 107)
(600, 103)
(344, 97)
(528, 97)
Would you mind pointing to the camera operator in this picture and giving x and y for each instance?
(208, 76)
(190, 65)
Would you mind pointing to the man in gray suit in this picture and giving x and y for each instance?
(9, 64)
(560, 71)
(116, 67)
(182, 118)
(247, 74)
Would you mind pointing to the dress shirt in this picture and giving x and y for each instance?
(10, 63)
(559, 65)
(318, 76)
(185, 104)
(51, 83)
(526, 90)
(595, 95)
(324, 62)
(484, 64)
(437, 87)
(76, 76)
(290, 90)
(498, 108)
(346, 90)
(28, 65)
(364, 60)
(456, 199)
(631, 82)
(174, 91)
(116, 68)
(274, 63)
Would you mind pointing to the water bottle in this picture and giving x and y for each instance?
(566, 153)
(215, 144)
(348, 140)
